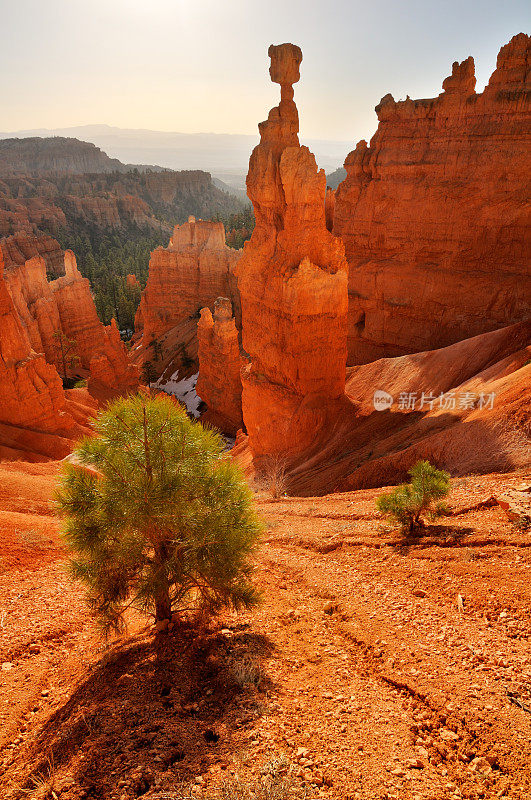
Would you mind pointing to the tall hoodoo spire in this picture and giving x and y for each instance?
(293, 283)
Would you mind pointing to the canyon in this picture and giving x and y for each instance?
(359, 330)
(411, 278)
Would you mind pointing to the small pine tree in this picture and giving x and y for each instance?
(149, 373)
(156, 348)
(186, 359)
(65, 352)
(157, 517)
(409, 502)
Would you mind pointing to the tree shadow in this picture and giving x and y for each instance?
(155, 704)
(430, 536)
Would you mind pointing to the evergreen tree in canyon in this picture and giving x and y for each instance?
(66, 355)
(408, 503)
(156, 516)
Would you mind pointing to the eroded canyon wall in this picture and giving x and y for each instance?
(59, 319)
(434, 214)
(292, 278)
(190, 273)
(32, 400)
(63, 184)
(22, 246)
(194, 270)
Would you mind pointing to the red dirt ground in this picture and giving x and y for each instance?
(361, 665)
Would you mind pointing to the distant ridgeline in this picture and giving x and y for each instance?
(112, 215)
(64, 184)
(333, 179)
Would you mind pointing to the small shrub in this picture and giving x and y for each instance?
(149, 373)
(186, 359)
(42, 784)
(246, 671)
(66, 357)
(273, 476)
(277, 782)
(410, 502)
(157, 350)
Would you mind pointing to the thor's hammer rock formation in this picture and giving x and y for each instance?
(292, 279)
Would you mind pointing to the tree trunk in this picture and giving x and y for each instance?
(162, 605)
(162, 594)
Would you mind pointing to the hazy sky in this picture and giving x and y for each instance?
(201, 65)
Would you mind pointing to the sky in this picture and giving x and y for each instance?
(201, 65)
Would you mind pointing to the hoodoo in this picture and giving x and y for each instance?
(434, 214)
(195, 269)
(35, 420)
(51, 309)
(219, 384)
(292, 279)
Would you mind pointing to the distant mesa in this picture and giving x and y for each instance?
(56, 154)
(63, 184)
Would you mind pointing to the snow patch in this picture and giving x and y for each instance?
(183, 390)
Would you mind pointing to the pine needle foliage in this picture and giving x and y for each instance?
(156, 516)
(410, 502)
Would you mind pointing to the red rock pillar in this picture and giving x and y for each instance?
(219, 384)
(293, 283)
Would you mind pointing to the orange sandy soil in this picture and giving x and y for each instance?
(359, 666)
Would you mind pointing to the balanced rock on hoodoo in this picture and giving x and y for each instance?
(292, 279)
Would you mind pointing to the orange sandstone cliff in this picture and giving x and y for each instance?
(292, 279)
(434, 214)
(49, 309)
(22, 246)
(195, 269)
(465, 407)
(110, 371)
(219, 384)
(36, 420)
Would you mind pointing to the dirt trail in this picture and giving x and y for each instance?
(361, 665)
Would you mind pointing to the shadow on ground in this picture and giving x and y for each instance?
(431, 536)
(152, 705)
